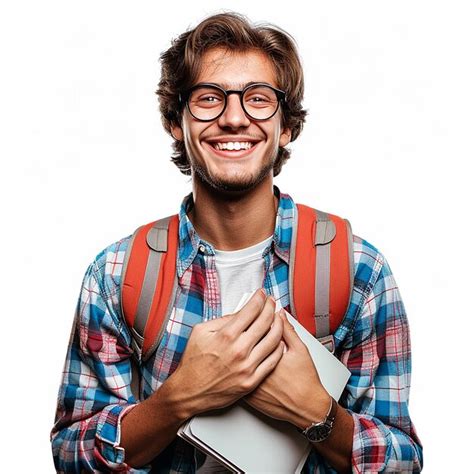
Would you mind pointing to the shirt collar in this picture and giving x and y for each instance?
(190, 242)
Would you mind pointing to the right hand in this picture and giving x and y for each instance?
(227, 358)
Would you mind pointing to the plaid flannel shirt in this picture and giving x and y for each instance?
(95, 393)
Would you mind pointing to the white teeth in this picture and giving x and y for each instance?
(233, 145)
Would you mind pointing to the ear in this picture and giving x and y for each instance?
(285, 137)
(177, 132)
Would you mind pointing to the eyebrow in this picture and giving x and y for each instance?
(229, 86)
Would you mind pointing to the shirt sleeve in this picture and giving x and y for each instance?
(95, 391)
(378, 354)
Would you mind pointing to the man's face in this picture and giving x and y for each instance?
(206, 142)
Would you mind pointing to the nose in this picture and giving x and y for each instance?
(234, 116)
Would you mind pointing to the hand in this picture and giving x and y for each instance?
(292, 391)
(227, 358)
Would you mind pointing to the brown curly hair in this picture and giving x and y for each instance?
(180, 65)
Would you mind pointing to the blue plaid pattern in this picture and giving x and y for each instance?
(95, 393)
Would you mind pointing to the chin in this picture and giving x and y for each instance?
(237, 183)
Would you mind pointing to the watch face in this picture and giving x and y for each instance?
(318, 432)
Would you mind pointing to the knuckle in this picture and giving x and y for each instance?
(225, 334)
(240, 353)
(247, 385)
(245, 371)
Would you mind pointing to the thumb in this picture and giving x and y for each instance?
(290, 336)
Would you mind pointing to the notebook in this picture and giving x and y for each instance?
(245, 440)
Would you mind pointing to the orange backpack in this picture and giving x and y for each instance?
(320, 277)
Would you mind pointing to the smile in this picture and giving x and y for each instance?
(226, 148)
(232, 145)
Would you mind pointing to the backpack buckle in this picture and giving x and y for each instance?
(328, 342)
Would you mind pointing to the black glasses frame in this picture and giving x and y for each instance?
(184, 98)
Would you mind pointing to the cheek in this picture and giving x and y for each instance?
(189, 137)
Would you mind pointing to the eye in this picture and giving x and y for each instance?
(260, 96)
(206, 97)
(209, 98)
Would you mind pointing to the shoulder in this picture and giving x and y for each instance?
(107, 266)
(375, 297)
(368, 264)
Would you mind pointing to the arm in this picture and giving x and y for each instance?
(100, 426)
(378, 353)
(95, 398)
(373, 419)
(372, 431)
(293, 392)
(224, 359)
(95, 389)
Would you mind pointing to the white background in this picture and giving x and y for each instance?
(388, 144)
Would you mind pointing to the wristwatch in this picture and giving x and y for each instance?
(320, 430)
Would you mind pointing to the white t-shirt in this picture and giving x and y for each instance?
(239, 272)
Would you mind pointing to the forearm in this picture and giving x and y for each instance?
(89, 444)
(151, 426)
(337, 448)
(380, 447)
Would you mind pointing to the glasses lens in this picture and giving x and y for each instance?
(260, 102)
(206, 102)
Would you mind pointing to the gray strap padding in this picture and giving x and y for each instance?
(324, 235)
(157, 237)
(291, 271)
(169, 311)
(157, 240)
(325, 229)
(321, 292)
(147, 292)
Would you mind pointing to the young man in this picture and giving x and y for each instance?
(230, 95)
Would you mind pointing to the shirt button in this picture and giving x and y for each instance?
(202, 248)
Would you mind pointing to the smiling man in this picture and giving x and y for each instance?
(235, 127)
(231, 96)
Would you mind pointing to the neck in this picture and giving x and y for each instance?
(234, 221)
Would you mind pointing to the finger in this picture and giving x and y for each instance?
(218, 323)
(261, 325)
(269, 363)
(290, 336)
(248, 313)
(268, 343)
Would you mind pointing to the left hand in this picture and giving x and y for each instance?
(292, 391)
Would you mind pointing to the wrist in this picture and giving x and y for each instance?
(178, 406)
(317, 411)
(320, 430)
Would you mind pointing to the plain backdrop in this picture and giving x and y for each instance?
(84, 161)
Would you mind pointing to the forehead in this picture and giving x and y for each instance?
(233, 70)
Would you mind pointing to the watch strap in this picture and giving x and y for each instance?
(328, 421)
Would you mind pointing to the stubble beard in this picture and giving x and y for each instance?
(235, 184)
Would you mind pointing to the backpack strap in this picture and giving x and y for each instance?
(149, 283)
(321, 271)
(320, 277)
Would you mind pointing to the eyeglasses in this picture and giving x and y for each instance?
(207, 102)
